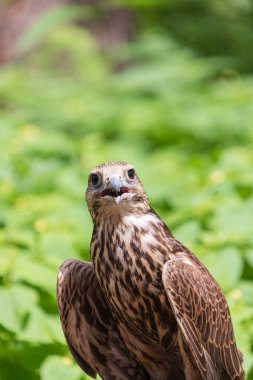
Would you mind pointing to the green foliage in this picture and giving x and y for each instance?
(211, 27)
(66, 108)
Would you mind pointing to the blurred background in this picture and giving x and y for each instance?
(164, 85)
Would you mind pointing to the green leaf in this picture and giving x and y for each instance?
(188, 233)
(48, 21)
(16, 302)
(58, 368)
(29, 269)
(42, 328)
(226, 266)
(57, 246)
(233, 221)
(25, 350)
(249, 257)
(11, 370)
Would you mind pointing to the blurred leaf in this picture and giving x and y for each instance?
(15, 304)
(25, 350)
(246, 288)
(48, 21)
(30, 270)
(226, 267)
(188, 233)
(9, 370)
(57, 368)
(42, 328)
(249, 257)
(233, 221)
(58, 247)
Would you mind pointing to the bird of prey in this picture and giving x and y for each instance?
(145, 308)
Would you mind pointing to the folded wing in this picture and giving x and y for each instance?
(204, 319)
(91, 332)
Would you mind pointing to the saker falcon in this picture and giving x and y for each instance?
(145, 308)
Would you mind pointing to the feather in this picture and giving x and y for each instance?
(203, 316)
(90, 331)
(145, 308)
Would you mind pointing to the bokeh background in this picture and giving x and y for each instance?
(166, 85)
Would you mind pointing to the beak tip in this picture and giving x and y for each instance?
(115, 183)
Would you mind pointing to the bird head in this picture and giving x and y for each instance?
(114, 188)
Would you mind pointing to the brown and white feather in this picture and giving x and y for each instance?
(145, 308)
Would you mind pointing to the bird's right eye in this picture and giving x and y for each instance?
(94, 178)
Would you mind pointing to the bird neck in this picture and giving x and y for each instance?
(114, 213)
(134, 234)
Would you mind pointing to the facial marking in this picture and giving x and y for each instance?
(118, 190)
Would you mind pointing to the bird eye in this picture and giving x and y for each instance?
(94, 178)
(131, 173)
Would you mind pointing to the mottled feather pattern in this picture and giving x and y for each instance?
(90, 331)
(204, 318)
(108, 164)
(145, 308)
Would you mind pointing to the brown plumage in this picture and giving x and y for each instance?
(145, 308)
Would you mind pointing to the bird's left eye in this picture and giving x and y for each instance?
(131, 173)
(95, 179)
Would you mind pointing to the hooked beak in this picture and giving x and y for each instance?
(115, 183)
(116, 189)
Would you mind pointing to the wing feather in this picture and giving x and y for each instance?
(91, 332)
(203, 317)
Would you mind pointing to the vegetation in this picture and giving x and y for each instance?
(186, 124)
